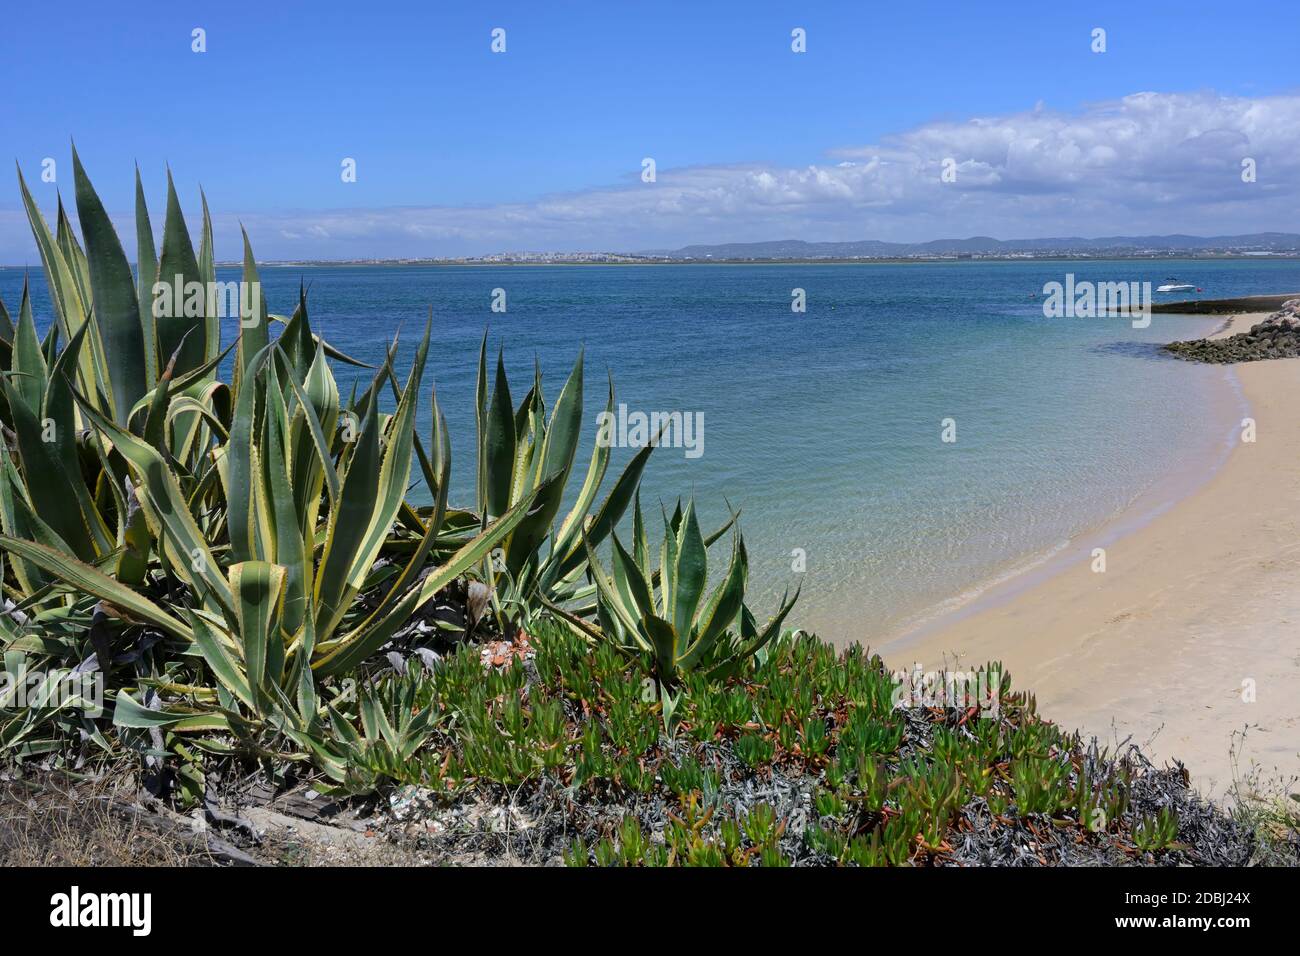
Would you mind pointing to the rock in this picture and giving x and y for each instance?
(1277, 336)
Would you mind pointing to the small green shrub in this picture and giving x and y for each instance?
(1155, 832)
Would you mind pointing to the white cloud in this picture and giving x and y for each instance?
(1149, 162)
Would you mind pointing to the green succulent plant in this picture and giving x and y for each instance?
(243, 520)
(523, 453)
(664, 615)
(1158, 831)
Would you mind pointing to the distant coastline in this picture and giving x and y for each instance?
(1250, 246)
(621, 259)
(559, 260)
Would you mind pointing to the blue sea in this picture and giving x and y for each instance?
(826, 427)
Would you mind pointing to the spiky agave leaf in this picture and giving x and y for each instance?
(116, 308)
(674, 628)
(93, 581)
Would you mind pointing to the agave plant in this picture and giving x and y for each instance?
(394, 725)
(262, 525)
(226, 551)
(520, 451)
(281, 596)
(541, 564)
(148, 370)
(663, 614)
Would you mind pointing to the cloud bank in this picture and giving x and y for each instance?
(1146, 163)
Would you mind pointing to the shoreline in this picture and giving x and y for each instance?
(1041, 566)
(1196, 609)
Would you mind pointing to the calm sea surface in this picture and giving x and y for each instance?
(826, 427)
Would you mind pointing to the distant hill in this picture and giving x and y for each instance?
(1260, 242)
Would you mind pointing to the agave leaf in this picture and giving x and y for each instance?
(14, 521)
(759, 641)
(208, 276)
(640, 540)
(668, 566)
(635, 586)
(155, 423)
(350, 650)
(291, 547)
(565, 428)
(300, 651)
(95, 582)
(189, 430)
(440, 465)
(499, 445)
(259, 588)
(51, 471)
(203, 723)
(179, 267)
(372, 493)
(185, 405)
(308, 700)
(28, 361)
(146, 261)
(721, 608)
(245, 544)
(35, 529)
(663, 640)
(318, 396)
(220, 657)
(297, 339)
(181, 383)
(555, 460)
(607, 518)
(611, 601)
(414, 564)
(330, 350)
(137, 542)
(70, 310)
(116, 308)
(530, 434)
(689, 573)
(254, 331)
(73, 254)
(480, 426)
(168, 513)
(596, 468)
(59, 409)
(127, 712)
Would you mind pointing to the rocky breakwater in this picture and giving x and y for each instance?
(1278, 336)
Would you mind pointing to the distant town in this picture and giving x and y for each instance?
(1270, 244)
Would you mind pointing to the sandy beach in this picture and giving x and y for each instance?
(1191, 635)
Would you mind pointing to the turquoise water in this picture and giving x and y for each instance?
(825, 427)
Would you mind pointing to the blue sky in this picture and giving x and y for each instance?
(460, 150)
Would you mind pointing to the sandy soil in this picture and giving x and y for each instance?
(1192, 633)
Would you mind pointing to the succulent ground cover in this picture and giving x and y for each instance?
(802, 757)
(214, 570)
